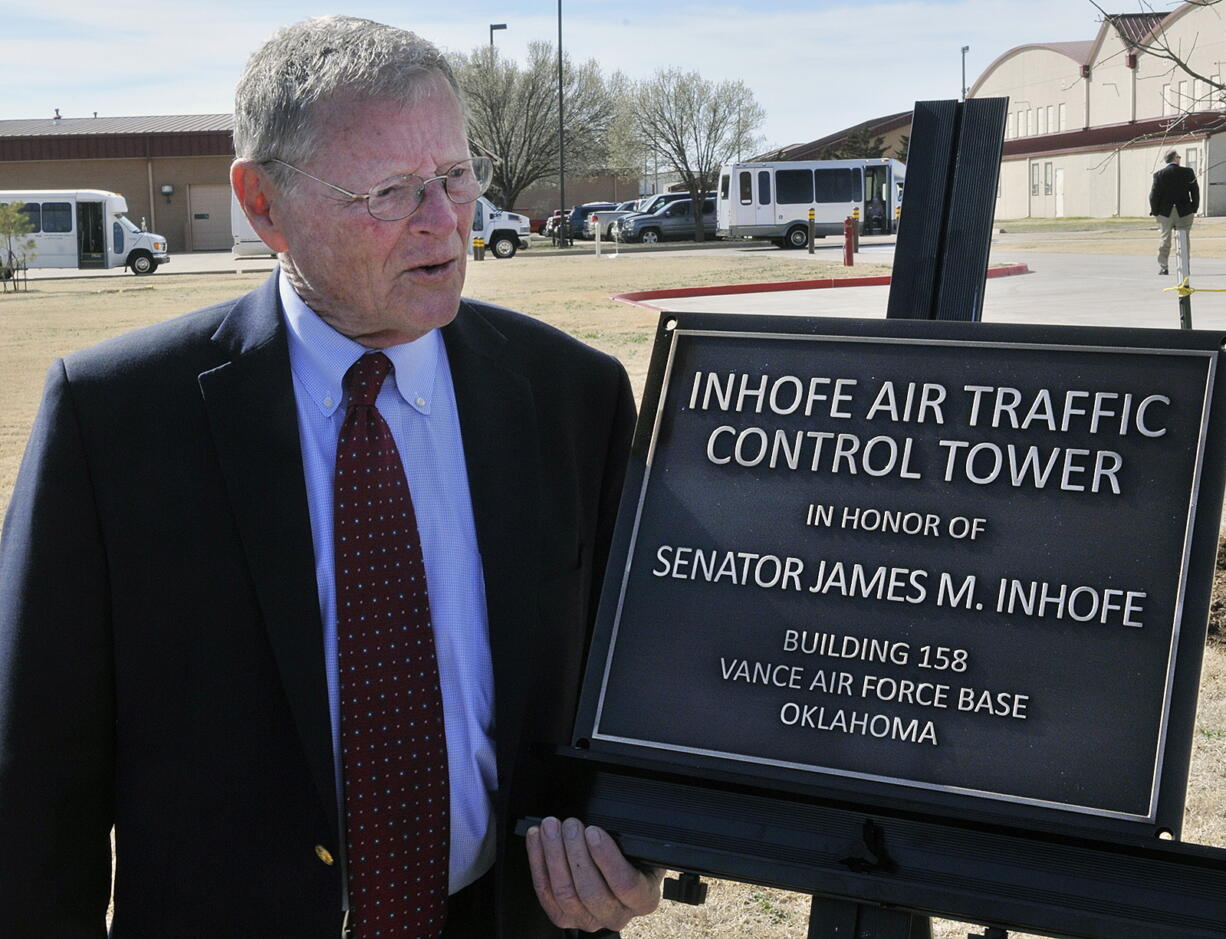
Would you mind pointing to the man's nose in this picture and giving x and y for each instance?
(436, 214)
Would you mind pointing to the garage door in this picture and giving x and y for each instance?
(210, 210)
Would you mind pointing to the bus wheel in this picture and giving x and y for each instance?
(797, 237)
(142, 263)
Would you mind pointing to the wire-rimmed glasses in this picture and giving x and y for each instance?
(398, 197)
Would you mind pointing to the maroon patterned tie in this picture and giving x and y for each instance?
(393, 749)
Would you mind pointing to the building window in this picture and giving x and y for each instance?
(1034, 179)
(1185, 100)
(1042, 121)
(1047, 187)
(1167, 105)
(1217, 97)
(1051, 119)
(1063, 112)
(1011, 127)
(1030, 123)
(1021, 123)
(57, 216)
(1191, 158)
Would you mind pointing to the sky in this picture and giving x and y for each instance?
(815, 66)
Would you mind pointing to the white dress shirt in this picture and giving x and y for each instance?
(418, 402)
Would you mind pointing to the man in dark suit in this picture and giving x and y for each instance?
(215, 629)
(1173, 198)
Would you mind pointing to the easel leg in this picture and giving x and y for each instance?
(842, 919)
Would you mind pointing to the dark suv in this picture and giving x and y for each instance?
(579, 214)
(673, 220)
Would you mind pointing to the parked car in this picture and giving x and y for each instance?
(672, 220)
(579, 214)
(608, 216)
(649, 204)
(551, 223)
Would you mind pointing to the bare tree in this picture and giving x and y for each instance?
(513, 115)
(691, 125)
(1161, 46)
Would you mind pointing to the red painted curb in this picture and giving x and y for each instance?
(636, 297)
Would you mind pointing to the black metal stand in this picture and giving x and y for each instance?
(940, 268)
(838, 919)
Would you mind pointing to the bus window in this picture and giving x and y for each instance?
(838, 185)
(34, 212)
(723, 186)
(794, 186)
(746, 190)
(57, 216)
(764, 187)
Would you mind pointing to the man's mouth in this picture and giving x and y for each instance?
(438, 269)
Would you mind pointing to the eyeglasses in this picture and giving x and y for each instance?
(399, 197)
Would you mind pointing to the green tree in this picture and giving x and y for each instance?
(16, 250)
(859, 144)
(903, 148)
(513, 115)
(690, 125)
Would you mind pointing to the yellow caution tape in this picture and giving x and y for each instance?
(1186, 290)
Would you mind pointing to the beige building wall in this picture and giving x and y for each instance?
(1037, 82)
(135, 179)
(1115, 178)
(1099, 184)
(1199, 35)
(1112, 84)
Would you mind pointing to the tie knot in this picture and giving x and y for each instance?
(365, 378)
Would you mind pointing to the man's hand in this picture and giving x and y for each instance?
(582, 879)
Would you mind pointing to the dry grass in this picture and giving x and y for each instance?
(56, 317)
(1132, 237)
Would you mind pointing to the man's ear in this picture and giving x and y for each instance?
(256, 194)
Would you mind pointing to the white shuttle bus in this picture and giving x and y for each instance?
(85, 228)
(772, 200)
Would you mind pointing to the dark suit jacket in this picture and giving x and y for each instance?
(161, 658)
(1174, 186)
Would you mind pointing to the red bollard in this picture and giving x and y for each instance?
(849, 235)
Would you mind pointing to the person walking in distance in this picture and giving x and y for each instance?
(1174, 199)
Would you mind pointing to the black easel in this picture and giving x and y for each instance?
(939, 273)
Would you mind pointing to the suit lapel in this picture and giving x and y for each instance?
(250, 403)
(497, 420)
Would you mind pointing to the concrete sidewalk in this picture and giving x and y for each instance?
(1062, 288)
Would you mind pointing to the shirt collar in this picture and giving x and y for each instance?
(320, 356)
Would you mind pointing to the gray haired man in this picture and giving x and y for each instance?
(295, 589)
(1173, 198)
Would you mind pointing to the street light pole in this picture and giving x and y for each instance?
(494, 26)
(562, 220)
(965, 50)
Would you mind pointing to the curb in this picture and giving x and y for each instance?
(637, 297)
